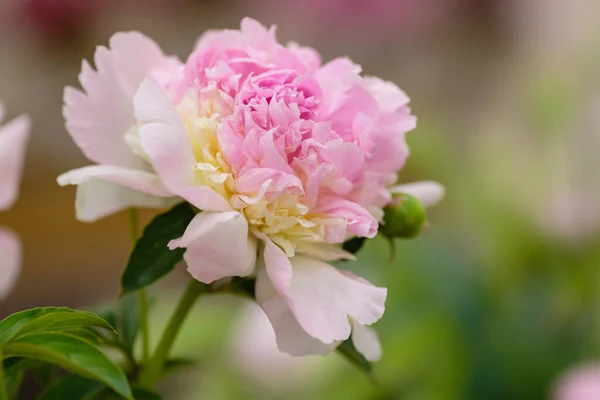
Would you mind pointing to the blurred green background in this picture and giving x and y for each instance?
(494, 301)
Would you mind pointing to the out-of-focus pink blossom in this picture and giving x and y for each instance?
(579, 383)
(13, 140)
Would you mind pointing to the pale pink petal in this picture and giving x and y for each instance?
(389, 96)
(427, 192)
(256, 35)
(167, 143)
(98, 117)
(13, 140)
(308, 56)
(322, 298)
(10, 264)
(218, 246)
(143, 181)
(290, 337)
(366, 342)
(98, 198)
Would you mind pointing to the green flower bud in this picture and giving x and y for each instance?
(403, 218)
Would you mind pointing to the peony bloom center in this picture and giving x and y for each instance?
(263, 182)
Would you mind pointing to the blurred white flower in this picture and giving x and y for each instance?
(13, 138)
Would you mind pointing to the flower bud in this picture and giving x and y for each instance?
(404, 217)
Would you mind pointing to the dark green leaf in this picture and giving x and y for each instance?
(47, 319)
(353, 245)
(128, 319)
(108, 314)
(42, 372)
(151, 259)
(124, 316)
(71, 353)
(71, 387)
(348, 350)
(13, 376)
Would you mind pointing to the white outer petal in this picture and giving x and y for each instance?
(143, 181)
(218, 246)
(97, 199)
(366, 342)
(98, 117)
(13, 140)
(10, 261)
(290, 337)
(427, 192)
(322, 298)
(166, 141)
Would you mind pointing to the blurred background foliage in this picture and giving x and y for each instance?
(498, 297)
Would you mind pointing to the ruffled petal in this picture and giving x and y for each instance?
(290, 337)
(322, 298)
(98, 117)
(218, 246)
(167, 143)
(10, 266)
(13, 140)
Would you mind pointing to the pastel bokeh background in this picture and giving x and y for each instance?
(497, 299)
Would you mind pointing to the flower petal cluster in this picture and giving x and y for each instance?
(285, 157)
(13, 140)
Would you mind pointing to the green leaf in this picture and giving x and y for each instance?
(71, 353)
(71, 387)
(151, 259)
(128, 319)
(47, 319)
(43, 373)
(88, 334)
(348, 350)
(13, 376)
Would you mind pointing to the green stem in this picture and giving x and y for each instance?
(142, 297)
(151, 373)
(3, 392)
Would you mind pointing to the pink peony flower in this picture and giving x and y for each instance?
(286, 158)
(13, 138)
(579, 383)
